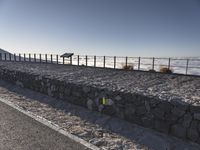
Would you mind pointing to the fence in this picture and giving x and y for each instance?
(178, 65)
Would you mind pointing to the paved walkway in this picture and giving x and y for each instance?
(20, 132)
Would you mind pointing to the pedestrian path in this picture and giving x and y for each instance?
(20, 132)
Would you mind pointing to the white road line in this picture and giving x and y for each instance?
(52, 126)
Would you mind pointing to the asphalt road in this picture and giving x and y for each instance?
(20, 132)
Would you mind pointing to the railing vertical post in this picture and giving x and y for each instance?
(71, 60)
(104, 61)
(5, 56)
(78, 60)
(46, 58)
(34, 57)
(126, 61)
(138, 63)
(24, 57)
(153, 63)
(57, 59)
(86, 60)
(63, 60)
(169, 63)
(14, 57)
(40, 58)
(187, 66)
(19, 57)
(29, 57)
(51, 58)
(95, 61)
(10, 56)
(114, 62)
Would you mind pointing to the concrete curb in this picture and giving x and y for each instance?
(51, 125)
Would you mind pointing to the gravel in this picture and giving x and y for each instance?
(164, 86)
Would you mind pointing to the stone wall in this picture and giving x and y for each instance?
(175, 116)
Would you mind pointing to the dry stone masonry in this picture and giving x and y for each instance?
(166, 103)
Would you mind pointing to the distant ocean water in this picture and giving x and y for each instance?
(177, 64)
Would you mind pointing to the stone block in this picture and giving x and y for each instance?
(138, 100)
(76, 93)
(90, 104)
(162, 126)
(140, 110)
(172, 119)
(192, 134)
(86, 89)
(194, 124)
(178, 131)
(187, 120)
(178, 112)
(154, 102)
(158, 113)
(147, 105)
(195, 108)
(165, 106)
(179, 103)
(100, 108)
(129, 110)
(148, 122)
(49, 92)
(120, 112)
(67, 91)
(197, 116)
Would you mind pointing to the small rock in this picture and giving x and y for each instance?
(110, 102)
(84, 134)
(118, 98)
(69, 114)
(100, 108)
(97, 142)
(86, 89)
(90, 104)
(197, 116)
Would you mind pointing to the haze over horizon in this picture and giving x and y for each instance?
(106, 27)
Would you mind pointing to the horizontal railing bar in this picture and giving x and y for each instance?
(107, 61)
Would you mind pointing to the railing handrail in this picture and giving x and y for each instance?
(105, 61)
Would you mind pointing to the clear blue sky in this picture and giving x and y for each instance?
(101, 27)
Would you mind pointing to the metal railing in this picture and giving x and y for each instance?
(178, 65)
